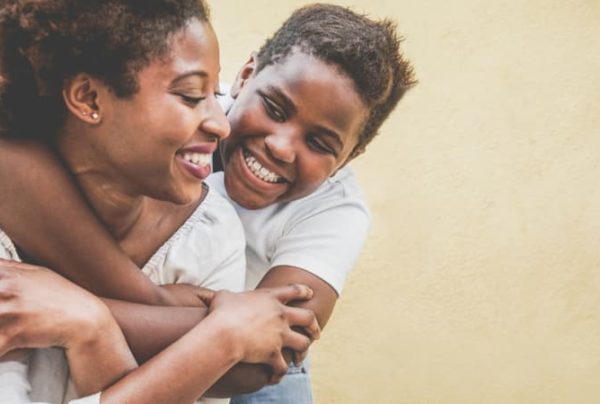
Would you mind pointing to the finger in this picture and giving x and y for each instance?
(299, 357)
(11, 265)
(279, 367)
(304, 318)
(206, 296)
(5, 345)
(295, 291)
(296, 341)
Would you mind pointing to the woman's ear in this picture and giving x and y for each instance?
(82, 98)
(245, 73)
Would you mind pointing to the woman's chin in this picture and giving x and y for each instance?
(182, 195)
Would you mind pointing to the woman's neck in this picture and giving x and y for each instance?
(116, 204)
(119, 211)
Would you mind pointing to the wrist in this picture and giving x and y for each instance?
(227, 333)
(95, 323)
(163, 297)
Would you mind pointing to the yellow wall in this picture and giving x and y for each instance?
(480, 282)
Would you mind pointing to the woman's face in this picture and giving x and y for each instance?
(160, 141)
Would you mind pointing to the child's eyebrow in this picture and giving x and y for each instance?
(289, 105)
(284, 99)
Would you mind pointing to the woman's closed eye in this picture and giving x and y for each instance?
(191, 100)
(194, 100)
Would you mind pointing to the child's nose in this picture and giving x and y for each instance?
(282, 146)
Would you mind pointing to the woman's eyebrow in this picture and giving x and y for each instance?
(198, 73)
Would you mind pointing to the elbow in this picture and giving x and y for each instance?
(241, 379)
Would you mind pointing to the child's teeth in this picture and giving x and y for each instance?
(259, 171)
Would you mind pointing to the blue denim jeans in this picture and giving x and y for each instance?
(293, 389)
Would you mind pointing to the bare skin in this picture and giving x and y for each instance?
(38, 308)
(131, 284)
(39, 230)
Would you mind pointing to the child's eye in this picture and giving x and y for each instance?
(318, 145)
(273, 110)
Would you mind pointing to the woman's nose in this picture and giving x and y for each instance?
(282, 146)
(215, 122)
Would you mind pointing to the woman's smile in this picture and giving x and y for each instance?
(197, 160)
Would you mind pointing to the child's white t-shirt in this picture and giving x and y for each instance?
(322, 233)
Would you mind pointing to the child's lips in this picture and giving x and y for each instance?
(258, 176)
(259, 170)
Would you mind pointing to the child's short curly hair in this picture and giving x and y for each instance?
(44, 42)
(367, 51)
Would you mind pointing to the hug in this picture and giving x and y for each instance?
(132, 273)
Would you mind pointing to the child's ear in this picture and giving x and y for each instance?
(82, 98)
(357, 151)
(245, 73)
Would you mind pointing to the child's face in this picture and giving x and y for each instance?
(293, 125)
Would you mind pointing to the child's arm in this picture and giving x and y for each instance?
(44, 213)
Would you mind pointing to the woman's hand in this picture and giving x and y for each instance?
(39, 308)
(260, 322)
(183, 294)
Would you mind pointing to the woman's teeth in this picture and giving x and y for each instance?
(198, 159)
(259, 171)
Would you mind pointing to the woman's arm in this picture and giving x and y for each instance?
(168, 324)
(39, 309)
(44, 213)
(240, 321)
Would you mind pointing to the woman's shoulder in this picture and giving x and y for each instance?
(212, 226)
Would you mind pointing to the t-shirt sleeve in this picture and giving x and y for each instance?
(93, 399)
(14, 380)
(14, 383)
(326, 242)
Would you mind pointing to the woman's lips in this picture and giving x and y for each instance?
(197, 160)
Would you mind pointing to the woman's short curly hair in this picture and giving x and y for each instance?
(368, 51)
(44, 42)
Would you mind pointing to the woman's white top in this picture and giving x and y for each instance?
(207, 250)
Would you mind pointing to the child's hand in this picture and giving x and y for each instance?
(183, 294)
(39, 308)
(261, 323)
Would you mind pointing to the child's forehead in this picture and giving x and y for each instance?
(326, 95)
(299, 64)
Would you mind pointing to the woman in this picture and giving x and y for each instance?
(125, 93)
